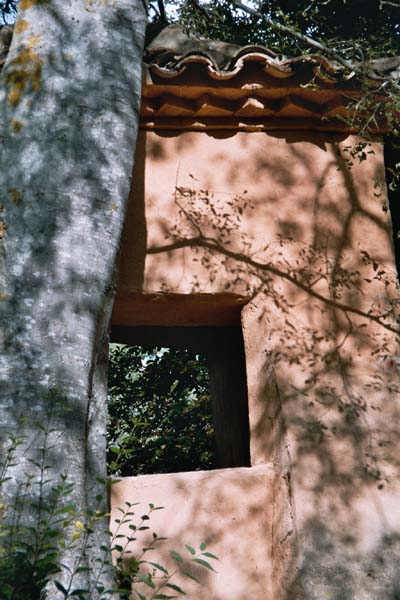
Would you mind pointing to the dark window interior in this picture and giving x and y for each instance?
(392, 158)
(183, 430)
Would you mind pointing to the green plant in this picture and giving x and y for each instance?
(160, 411)
(136, 573)
(32, 526)
(41, 523)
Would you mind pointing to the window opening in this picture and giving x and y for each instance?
(177, 400)
(160, 411)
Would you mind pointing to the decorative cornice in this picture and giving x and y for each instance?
(248, 99)
(249, 104)
(208, 84)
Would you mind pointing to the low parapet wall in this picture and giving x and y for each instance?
(228, 509)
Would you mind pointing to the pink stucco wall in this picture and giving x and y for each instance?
(281, 225)
(230, 510)
(248, 191)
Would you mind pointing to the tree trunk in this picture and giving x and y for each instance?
(69, 101)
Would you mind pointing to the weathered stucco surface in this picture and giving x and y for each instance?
(281, 225)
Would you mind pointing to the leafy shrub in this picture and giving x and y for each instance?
(160, 411)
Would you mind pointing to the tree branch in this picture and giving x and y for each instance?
(312, 43)
(305, 39)
(162, 12)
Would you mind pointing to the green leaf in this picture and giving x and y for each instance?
(146, 579)
(82, 570)
(176, 556)
(163, 597)
(159, 567)
(210, 555)
(187, 574)
(61, 588)
(203, 546)
(203, 563)
(176, 588)
(190, 549)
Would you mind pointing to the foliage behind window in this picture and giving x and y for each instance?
(160, 411)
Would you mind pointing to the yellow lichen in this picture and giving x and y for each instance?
(91, 5)
(33, 40)
(4, 296)
(16, 196)
(21, 26)
(25, 4)
(16, 125)
(24, 70)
